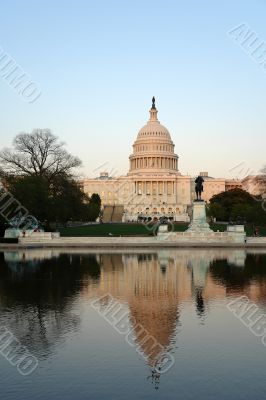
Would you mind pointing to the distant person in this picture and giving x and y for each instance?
(256, 232)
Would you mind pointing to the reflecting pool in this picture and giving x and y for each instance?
(101, 324)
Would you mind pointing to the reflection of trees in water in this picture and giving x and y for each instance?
(234, 277)
(37, 298)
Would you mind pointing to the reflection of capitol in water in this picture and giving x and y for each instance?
(156, 287)
(165, 275)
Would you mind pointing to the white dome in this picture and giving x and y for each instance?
(154, 128)
(153, 150)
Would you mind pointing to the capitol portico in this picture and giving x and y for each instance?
(153, 187)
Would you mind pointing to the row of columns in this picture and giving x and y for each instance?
(159, 162)
(155, 187)
(139, 148)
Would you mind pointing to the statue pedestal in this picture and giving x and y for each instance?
(12, 233)
(16, 233)
(199, 233)
(199, 220)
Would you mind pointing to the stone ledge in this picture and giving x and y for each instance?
(121, 245)
(164, 240)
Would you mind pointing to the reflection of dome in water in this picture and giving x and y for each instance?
(152, 298)
(158, 318)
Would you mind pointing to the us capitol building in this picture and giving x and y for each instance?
(154, 187)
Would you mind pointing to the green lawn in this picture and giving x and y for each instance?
(135, 229)
(115, 229)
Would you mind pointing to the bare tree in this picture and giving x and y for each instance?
(256, 184)
(38, 153)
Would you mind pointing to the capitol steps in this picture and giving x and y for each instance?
(117, 214)
(107, 213)
(113, 214)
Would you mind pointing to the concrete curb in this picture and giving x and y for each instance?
(124, 242)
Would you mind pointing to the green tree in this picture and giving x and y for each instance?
(95, 198)
(238, 203)
(59, 200)
(94, 207)
(68, 201)
(33, 194)
(217, 211)
(3, 226)
(234, 203)
(38, 171)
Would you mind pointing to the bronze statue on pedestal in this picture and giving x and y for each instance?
(199, 187)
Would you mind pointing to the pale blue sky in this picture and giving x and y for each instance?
(100, 62)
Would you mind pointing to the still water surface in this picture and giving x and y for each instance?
(179, 297)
